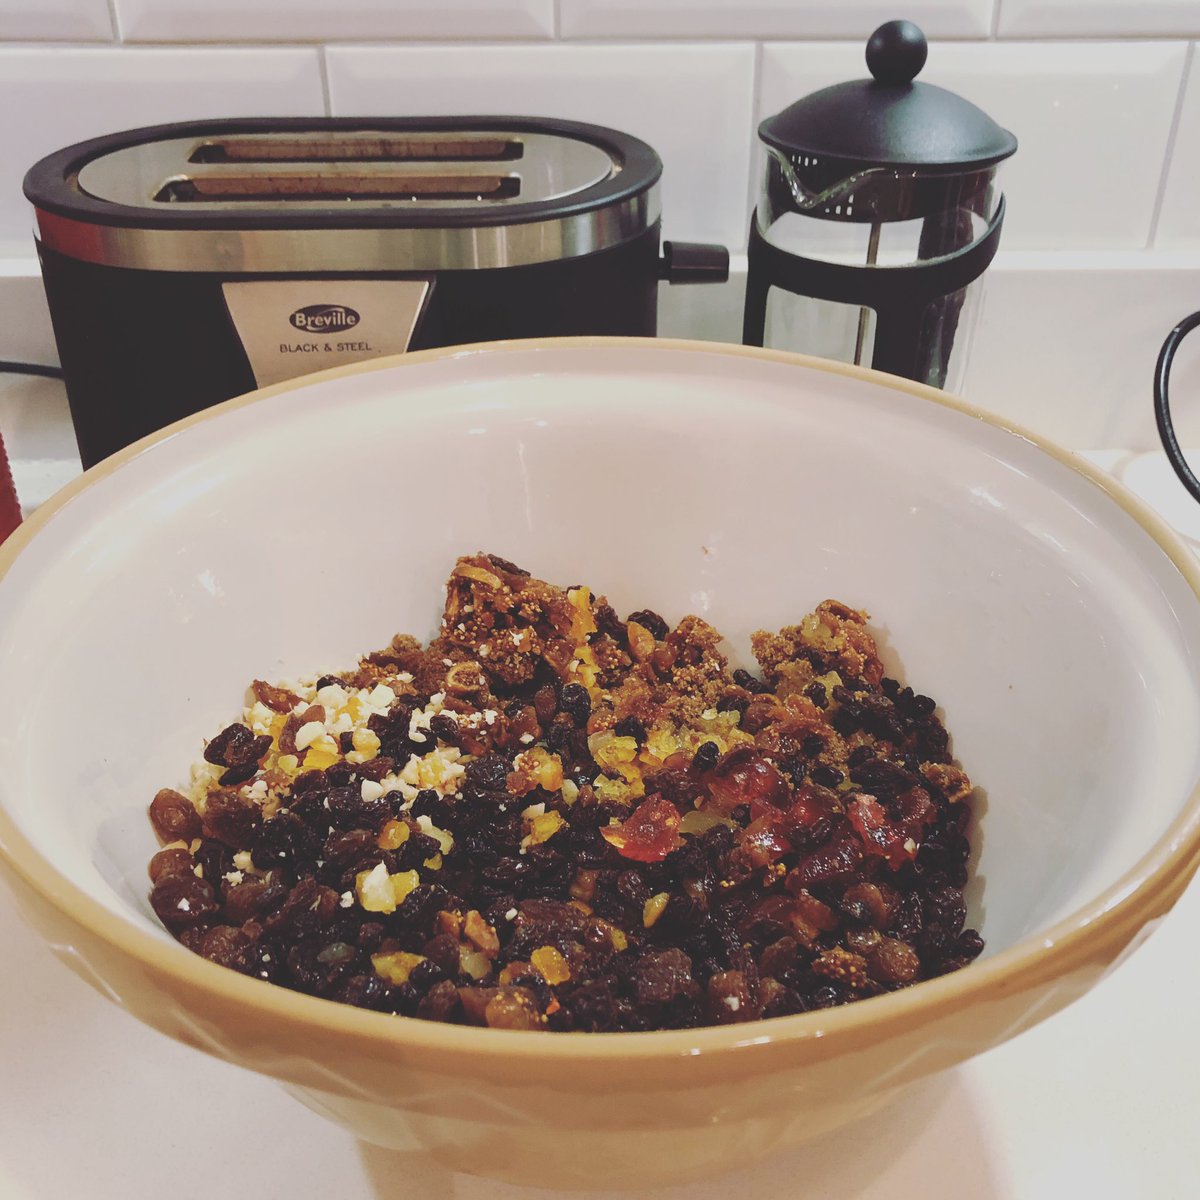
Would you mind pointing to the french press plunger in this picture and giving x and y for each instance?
(879, 211)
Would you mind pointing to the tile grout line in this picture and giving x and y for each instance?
(995, 33)
(1169, 149)
(323, 68)
(615, 41)
(756, 90)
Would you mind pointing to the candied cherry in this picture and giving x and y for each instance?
(896, 840)
(650, 832)
(744, 776)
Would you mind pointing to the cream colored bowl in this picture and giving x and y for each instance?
(1055, 619)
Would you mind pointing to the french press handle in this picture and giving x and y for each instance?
(1162, 410)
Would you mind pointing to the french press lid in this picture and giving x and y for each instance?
(890, 119)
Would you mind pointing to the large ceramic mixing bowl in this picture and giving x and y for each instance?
(1054, 618)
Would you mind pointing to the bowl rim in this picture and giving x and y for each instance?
(1096, 932)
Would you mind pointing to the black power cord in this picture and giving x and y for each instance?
(1162, 410)
(23, 368)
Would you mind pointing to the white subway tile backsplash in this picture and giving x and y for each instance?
(1092, 119)
(319, 20)
(692, 103)
(66, 94)
(1179, 218)
(767, 18)
(55, 20)
(1098, 18)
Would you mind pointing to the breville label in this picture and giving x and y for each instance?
(324, 318)
(292, 327)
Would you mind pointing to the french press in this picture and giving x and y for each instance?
(879, 211)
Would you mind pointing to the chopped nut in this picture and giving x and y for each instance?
(478, 931)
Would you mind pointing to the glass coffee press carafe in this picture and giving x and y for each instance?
(879, 212)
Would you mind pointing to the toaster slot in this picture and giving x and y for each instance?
(267, 188)
(351, 147)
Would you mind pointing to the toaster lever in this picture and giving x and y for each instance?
(693, 262)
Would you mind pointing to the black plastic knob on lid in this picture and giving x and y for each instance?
(890, 120)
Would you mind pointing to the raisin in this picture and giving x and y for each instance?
(247, 900)
(744, 679)
(969, 944)
(592, 1007)
(425, 974)
(705, 757)
(489, 772)
(946, 907)
(783, 1002)
(174, 816)
(342, 849)
(440, 1003)
(265, 960)
(182, 901)
(285, 841)
(235, 746)
(308, 908)
(780, 957)
(427, 804)
(370, 936)
(377, 768)
(730, 999)
(828, 995)
(906, 919)
(416, 849)
(826, 776)
(934, 943)
(363, 991)
(445, 729)
(576, 703)
(632, 889)
(227, 946)
(512, 1008)
(631, 727)
(215, 860)
(545, 703)
(443, 950)
(893, 962)
(651, 621)
(230, 819)
(505, 565)
(661, 975)
(239, 774)
(817, 694)
(175, 861)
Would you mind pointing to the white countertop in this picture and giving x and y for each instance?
(1099, 1101)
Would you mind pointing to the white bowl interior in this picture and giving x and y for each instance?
(291, 534)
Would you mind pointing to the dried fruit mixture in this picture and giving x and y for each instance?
(552, 818)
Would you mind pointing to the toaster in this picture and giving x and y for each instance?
(188, 263)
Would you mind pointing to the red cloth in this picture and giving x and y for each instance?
(10, 510)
